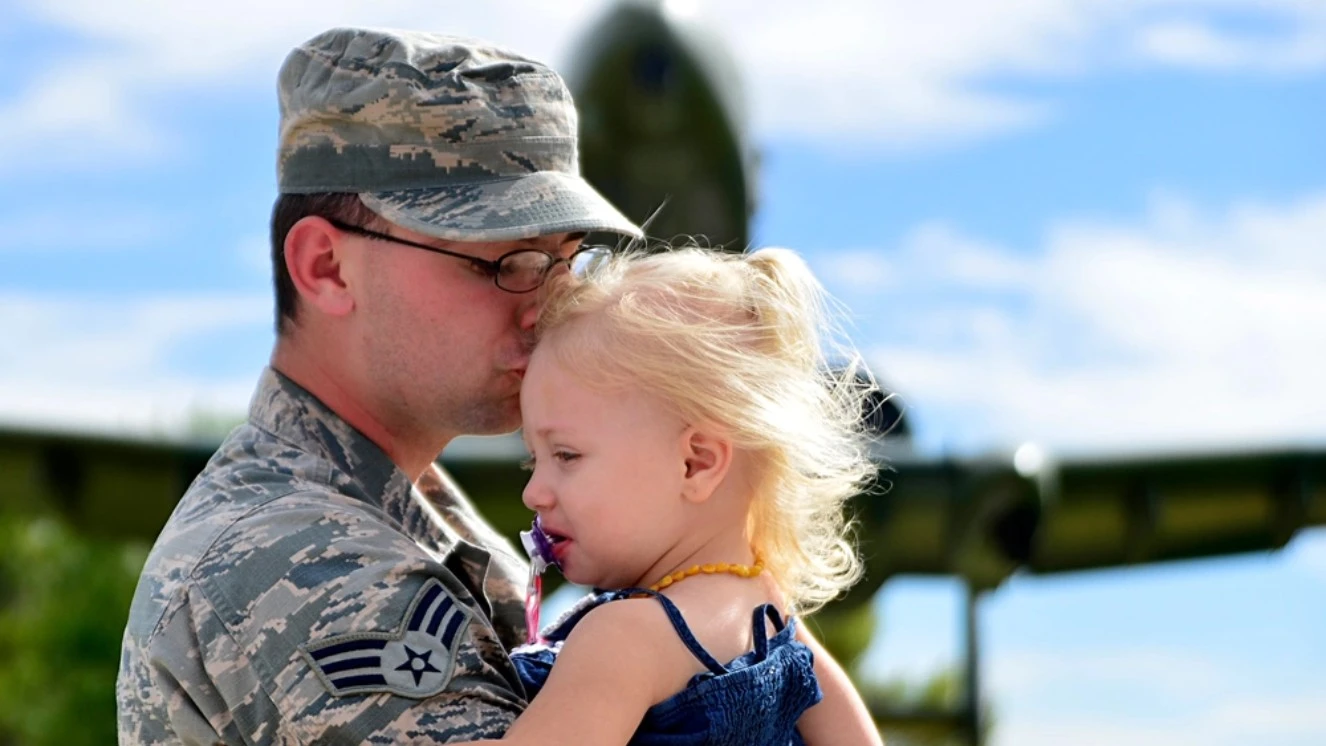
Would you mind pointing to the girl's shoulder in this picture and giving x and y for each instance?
(633, 633)
(637, 619)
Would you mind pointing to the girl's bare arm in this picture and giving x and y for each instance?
(841, 717)
(604, 679)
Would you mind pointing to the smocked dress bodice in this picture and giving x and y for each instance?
(753, 699)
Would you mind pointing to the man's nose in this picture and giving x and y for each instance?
(529, 312)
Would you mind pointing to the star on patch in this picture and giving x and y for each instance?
(414, 660)
(417, 664)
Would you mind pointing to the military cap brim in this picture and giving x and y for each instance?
(536, 204)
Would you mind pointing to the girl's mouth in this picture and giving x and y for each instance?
(559, 544)
(541, 546)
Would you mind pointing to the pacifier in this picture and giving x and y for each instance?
(540, 550)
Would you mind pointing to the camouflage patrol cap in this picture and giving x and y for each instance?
(451, 137)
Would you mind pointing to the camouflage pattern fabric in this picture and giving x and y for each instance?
(304, 591)
(451, 137)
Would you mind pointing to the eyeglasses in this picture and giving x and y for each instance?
(519, 271)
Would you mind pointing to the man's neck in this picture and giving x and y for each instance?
(410, 454)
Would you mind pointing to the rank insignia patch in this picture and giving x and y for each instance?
(415, 660)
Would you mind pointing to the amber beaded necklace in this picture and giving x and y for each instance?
(718, 568)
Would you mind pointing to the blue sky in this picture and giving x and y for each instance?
(1097, 225)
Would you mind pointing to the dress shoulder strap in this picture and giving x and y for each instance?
(758, 630)
(678, 624)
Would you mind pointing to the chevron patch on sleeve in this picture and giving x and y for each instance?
(415, 660)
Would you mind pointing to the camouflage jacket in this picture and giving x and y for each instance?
(305, 592)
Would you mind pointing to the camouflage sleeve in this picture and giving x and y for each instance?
(325, 625)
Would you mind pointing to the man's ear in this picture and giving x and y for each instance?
(707, 456)
(314, 258)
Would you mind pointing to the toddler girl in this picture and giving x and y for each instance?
(691, 451)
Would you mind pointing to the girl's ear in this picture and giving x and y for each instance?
(707, 457)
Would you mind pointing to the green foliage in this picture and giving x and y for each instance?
(845, 630)
(63, 604)
(211, 424)
(943, 692)
(64, 599)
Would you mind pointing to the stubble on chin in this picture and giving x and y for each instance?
(495, 416)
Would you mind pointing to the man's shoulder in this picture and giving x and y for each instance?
(252, 477)
(258, 511)
(309, 569)
(308, 615)
(249, 482)
(308, 541)
(254, 464)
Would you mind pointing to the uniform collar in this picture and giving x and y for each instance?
(360, 468)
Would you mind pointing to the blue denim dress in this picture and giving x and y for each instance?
(753, 700)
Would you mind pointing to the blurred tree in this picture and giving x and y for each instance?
(63, 604)
(64, 598)
(937, 700)
(203, 425)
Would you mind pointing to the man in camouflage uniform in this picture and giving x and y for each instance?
(322, 581)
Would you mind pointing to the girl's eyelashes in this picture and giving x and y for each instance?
(562, 455)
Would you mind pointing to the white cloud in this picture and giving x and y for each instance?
(79, 116)
(1297, 716)
(254, 253)
(1197, 699)
(161, 407)
(96, 227)
(932, 252)
(1307, 555)
(1197, 45)
(1186, 329)
(898, 74)
(1292, 721)
(104, 365)
(97, 107)
(180, 44)
(59, 337)
(1022, 675)
(857, 269)
(892, 73)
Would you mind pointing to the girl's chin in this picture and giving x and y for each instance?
(572, 575)
(580, 576)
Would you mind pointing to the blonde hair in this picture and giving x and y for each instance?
(740, 342)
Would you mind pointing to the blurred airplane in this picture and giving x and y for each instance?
(662, 123)
(663, 134)
(663, 129)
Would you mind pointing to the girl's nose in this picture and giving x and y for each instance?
(536, 494)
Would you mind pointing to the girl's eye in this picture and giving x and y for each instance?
(565, 457)
(527, 464)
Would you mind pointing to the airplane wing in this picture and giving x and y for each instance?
(980, 518)
(983, 519)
